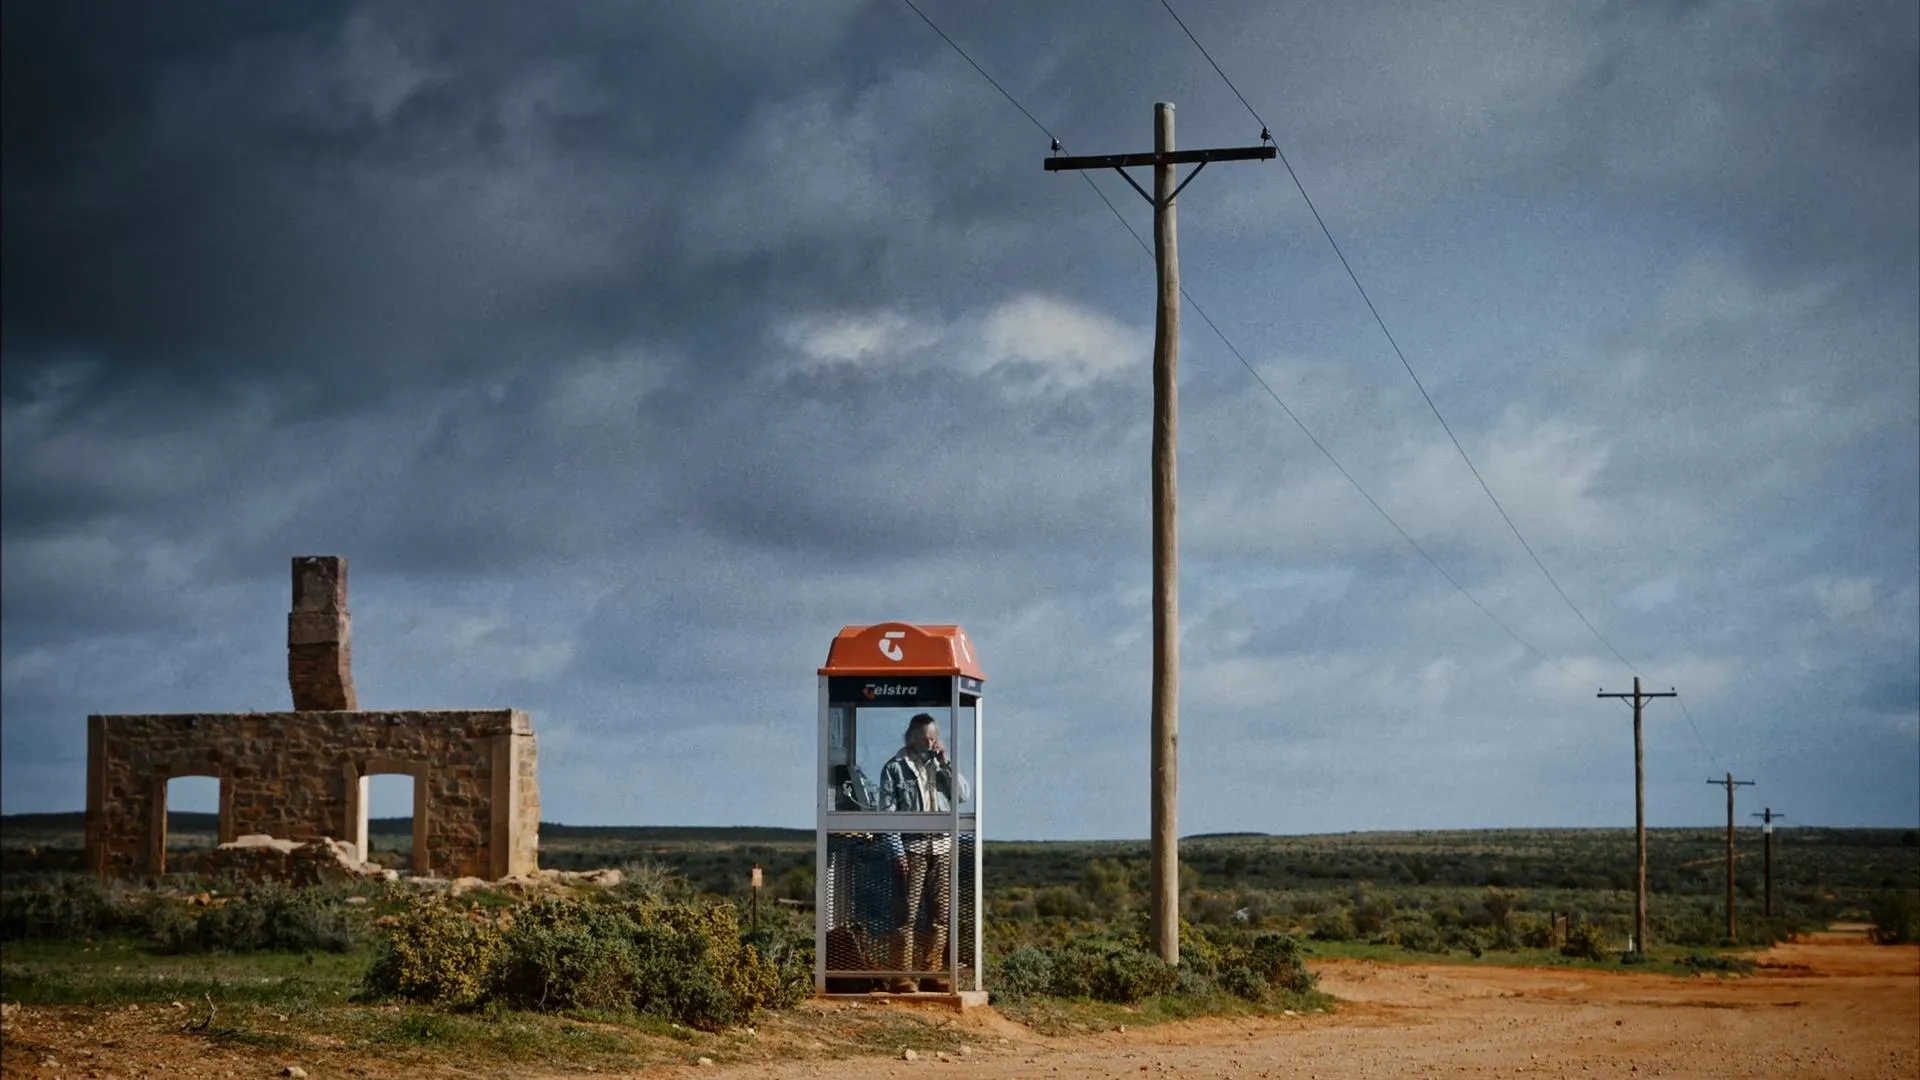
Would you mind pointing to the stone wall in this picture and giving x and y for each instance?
(301, 776)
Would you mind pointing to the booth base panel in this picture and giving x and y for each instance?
(961, 1001)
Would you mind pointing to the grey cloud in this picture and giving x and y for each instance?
(512, 310)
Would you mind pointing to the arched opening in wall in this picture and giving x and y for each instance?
(388, 820)
(189, 822)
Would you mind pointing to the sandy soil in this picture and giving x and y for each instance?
(1829, 1007)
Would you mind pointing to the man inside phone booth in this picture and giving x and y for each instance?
(921, 778)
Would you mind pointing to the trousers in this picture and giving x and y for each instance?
(928, 879)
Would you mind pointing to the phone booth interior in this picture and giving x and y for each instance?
(897, 879)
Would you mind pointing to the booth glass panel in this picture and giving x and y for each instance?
(860, 742)
(961, 747)
(887, 903)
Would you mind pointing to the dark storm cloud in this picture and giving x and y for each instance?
(357, 195)
(628, 353)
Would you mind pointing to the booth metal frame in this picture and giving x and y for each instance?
(897, 656)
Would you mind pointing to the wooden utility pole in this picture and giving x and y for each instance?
(1766, 828)
(1165, 769)
(1730, 783)
(1639, 698)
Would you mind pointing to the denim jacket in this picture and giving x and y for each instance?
(900, 790)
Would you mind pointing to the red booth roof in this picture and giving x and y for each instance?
(896, 648)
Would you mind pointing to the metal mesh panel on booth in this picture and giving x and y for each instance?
(881, 920)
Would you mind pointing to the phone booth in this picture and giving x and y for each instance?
(897, 892)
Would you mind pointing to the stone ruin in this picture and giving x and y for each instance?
(302, 776)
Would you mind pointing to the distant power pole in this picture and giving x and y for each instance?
(1766, 828)
(1730, 783)
(1166, 565)
(1640, 699)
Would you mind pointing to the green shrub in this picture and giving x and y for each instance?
(1061, 902)
(1333, 925)
(1027, 971)
(1896, 918)
(435, 953)
(1077, 968)
(1535, 933)
(1131, 976)
(1243, 981)
(67, 909)
(560, 954)
(1191, 981)
(1214, 909)
(266, 917)
(1371, 912)
(1107, 886)
(683, 962)
(705, 975)
(1419, 937)
(1497, 909)
(1586, 942)
(1276, 959)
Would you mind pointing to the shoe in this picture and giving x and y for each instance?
(935, 986)
(901, 986)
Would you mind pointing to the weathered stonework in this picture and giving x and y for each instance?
(302, 776)
(320, 636)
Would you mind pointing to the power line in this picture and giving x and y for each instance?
(1355, 278)
(1266, 131)
(1058, 146)
(981, 70)
(1264, 385)
(1682, 702)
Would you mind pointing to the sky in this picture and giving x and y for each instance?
(628, 352)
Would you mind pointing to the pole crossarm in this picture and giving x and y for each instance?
(1630, 695)
(1120, 163)
(1177, 157)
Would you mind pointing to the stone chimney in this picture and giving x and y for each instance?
(320, 636)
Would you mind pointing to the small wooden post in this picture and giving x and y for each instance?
(756, 899)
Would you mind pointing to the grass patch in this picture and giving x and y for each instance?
(891, 1031)
(1719, 963)
(1080, 1016)
(502, 1035)
(1661, 959)
(121, 972)
(247, 1038)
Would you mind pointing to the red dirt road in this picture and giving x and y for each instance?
(1833, 1007)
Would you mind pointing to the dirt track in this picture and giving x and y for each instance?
(1831, 1007)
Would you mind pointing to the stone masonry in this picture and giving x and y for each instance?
(303, 775)
(320, 636)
